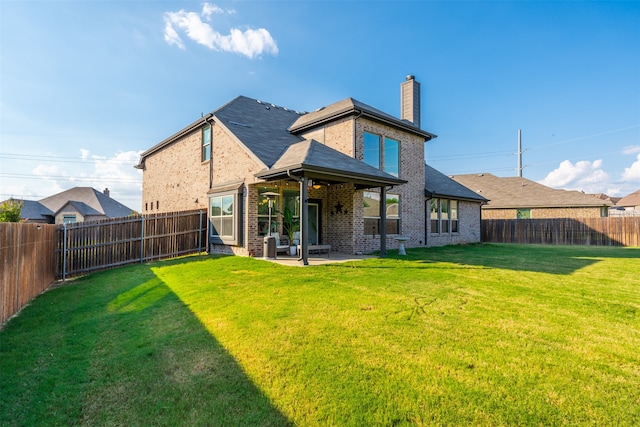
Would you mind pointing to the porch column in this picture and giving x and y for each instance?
(383, 221)
(304, 220)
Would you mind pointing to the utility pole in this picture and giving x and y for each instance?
(519, 153)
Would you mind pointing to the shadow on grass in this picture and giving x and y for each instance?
(551, 259)
(121, 349)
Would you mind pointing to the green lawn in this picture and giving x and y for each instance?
(461, 335)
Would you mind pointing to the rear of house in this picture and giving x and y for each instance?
(352, 176)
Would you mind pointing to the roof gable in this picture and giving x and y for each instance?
(350, 106)
(310, 157)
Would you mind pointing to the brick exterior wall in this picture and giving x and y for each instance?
(540, 213)
(468, 223)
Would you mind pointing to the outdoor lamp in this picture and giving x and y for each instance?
(270, 195)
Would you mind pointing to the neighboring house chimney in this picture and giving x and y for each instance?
(106, 192)
(410, 100)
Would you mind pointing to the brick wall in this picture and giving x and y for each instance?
(469, 223)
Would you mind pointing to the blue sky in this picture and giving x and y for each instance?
(86, 86)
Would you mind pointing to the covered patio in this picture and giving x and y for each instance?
(309, 164)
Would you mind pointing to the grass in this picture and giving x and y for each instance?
(461, 335)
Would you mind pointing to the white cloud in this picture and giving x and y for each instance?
(250, 43)
(632, 173)
(631, 149)
(583, 176)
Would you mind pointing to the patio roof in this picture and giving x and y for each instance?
(314, 160)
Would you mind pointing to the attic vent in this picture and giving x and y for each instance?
(244, 125)
(274, 105)
(480, 174)
(258, 101)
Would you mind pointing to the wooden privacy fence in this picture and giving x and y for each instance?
(612, 231)
(90, 246)
(27, 256)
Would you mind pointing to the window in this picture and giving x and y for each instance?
(372, 150)
(443, 216)
(454, 216)
(372, 213)
(435, 215)
(224, 215)
(206, 144)
(523, 214)
(68, 219)
(385, 156)
(263, 211)
(391, 156)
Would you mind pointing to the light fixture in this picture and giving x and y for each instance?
(270, 195)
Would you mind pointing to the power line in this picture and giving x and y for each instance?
(64, 159)
(70, 178)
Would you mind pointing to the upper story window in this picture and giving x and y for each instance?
(206, 143)
(382, 153)
(523, 214)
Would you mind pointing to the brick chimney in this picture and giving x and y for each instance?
(410, 100)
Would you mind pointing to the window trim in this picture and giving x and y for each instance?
(376, 229)
(204, 155)
(236, 217)
(445, 225)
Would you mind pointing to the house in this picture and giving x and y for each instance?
(352, 176)
(627, 206)
(520, 198)
(77, 204)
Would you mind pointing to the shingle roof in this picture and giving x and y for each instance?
(438, 184)
(310, 157)
(632, 199)
(94, 199)
(516, 192)
(350, 106)
(35, 211)
(262, 127)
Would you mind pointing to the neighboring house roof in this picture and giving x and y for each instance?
(91, 198)
(348, 107)
(437, 184)
(603, 196)
(35, 211)
(80, 207)
(517, 192)
(328, 164)
(631, 200)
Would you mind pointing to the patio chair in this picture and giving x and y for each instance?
(281, 247)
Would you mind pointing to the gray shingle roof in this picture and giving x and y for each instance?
(261, 126)
(311, 158)
(350, 106)
(438, 184)
(35, 211)
(516, 192)
(94, 199)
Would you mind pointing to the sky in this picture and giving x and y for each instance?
(86, 86)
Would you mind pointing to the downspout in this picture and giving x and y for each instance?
(354, 132)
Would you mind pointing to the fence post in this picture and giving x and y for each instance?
(141, 239)
(200, 233)
(64, 252)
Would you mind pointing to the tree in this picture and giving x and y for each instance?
(10, 210)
